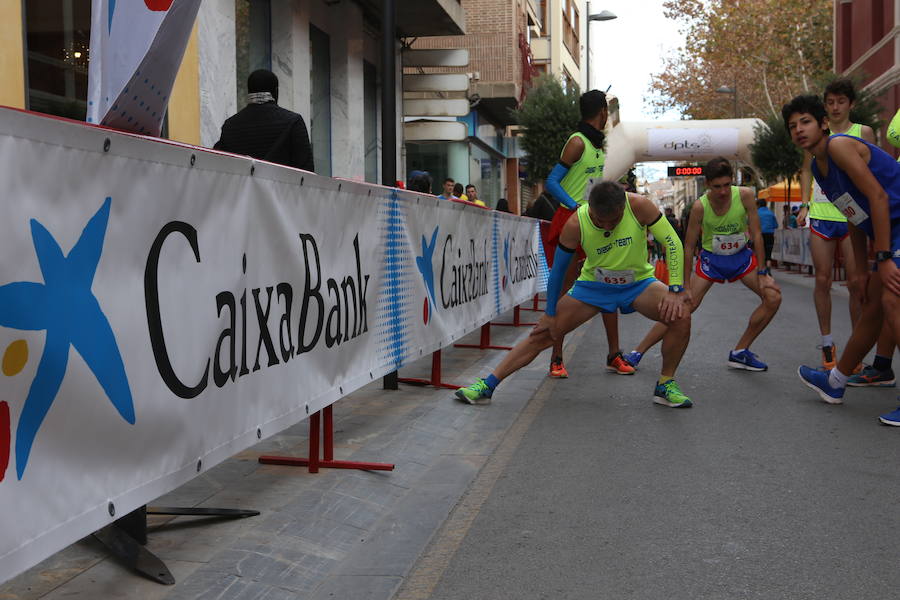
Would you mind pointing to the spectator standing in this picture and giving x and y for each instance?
(419, 181)
(502, 205)
(767, 224)
(448, 190)
(674, 222)
(458, 191)
(792, 223)
(472, 196)
(264, 130)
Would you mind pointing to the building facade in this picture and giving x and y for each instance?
(867, 44)
(326, 54)
(559, 44)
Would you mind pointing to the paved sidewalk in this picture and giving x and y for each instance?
(332, 535)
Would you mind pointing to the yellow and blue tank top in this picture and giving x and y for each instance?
(730, 226)
(589, 167)
(622, 249)
(819, 206)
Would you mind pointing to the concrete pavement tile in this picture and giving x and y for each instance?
(110, 580)
(214, 585)
(54, 571)
(351, 587)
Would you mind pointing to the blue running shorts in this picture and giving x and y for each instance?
(829, 230)
(608, 297)
(721, 268)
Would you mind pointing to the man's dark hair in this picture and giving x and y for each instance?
(760, 202)
(471, 185)
(718, 167)
(263, 80)
(591, 103)
(842, 86)
(606, 198)
(457, 189)
(808, 104)
(419, 181)
(450, 179)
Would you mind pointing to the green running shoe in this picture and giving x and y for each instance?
(477, 393)
(668, 394)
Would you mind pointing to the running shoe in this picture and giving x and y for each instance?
(818, 380)
(892, 418)
(618, 365)
(829, 356)
(633, 357)
(668, 394)
(746, 360)
(872, 377)
(477, 393)
(558, 369)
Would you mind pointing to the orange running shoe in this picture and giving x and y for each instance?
(618, 365)
(557, 369)
(829, 356)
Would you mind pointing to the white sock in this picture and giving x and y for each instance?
(836, 379)
(739, 350)
(827, 341)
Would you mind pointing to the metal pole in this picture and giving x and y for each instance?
(389, 117)
(587, 53)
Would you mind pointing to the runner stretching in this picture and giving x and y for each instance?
(724, 214)
(826, 223)
(611, 228)
(579, 167)
(863, 181)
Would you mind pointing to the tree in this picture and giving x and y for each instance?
(767, 50)
(548, 115)
(774, 154)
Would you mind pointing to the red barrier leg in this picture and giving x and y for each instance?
(435, 380)
(326, 424)
(485, 342)
(535, 307)
(516, 322)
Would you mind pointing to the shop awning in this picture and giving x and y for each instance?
(779, 192)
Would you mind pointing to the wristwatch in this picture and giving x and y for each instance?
(676, 289)
(765, 271)
(883, 255)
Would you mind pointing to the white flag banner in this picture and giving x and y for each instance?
(161, 304)
(675, 143)
(136, 49)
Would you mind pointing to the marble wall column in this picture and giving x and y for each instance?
(347, 53)
(283, 50)
(215, 28)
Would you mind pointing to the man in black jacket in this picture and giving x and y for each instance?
(264, 130)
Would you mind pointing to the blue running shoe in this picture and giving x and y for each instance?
(892, 418)
(746, 360)
(818, 380)
(633, 357)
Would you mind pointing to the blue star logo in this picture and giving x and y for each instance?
(426, 266)
(67, 309)
(506, 255)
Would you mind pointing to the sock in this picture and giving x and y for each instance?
(492, 381)
(664, 378)
(738, 351)
(836, 379)
(827, 340)
(882, 363)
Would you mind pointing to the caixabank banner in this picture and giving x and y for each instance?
(163, 306)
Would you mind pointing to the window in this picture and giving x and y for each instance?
(57, 40)
(253, 41)
(320, 98)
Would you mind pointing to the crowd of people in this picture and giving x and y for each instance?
(600, 264)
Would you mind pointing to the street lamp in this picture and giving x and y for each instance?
(603, 15)
(730, 90)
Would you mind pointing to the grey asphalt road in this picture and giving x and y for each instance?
(759, 491)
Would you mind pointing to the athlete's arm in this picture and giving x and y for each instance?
(691, 238)
(805, 188)
(648, 215)
(748, 199)
(853, 158)
(867, 134)
(571, 154)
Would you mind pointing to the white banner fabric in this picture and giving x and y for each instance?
(163, 306)
(792, 245)
(689, 142)
(136, 49)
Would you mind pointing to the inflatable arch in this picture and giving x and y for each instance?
(630, 142)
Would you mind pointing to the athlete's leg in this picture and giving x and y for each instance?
(699, 287)
(822, 251)
(867, 327)
(611, 323)
(571, 313)
(676, 334)
(556, 357)
(850, 268)
(759, 318)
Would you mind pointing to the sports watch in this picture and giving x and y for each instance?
(766, 271)
(676, 289)
(883, 255)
